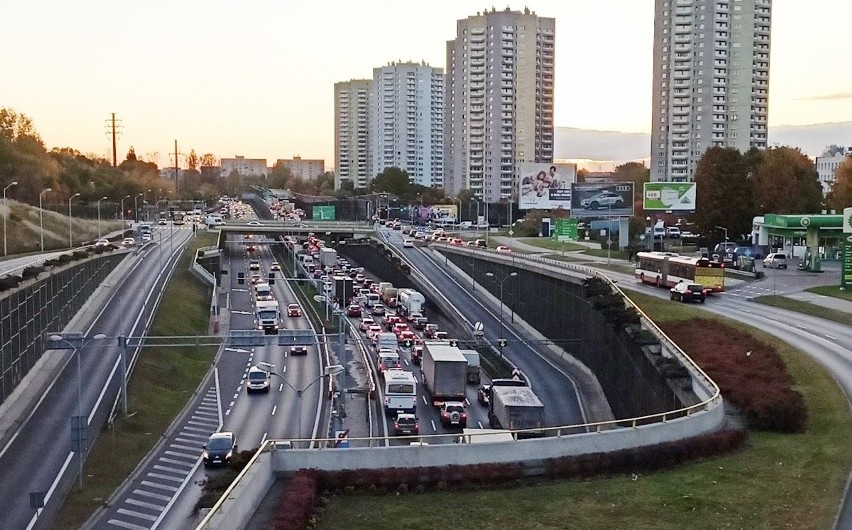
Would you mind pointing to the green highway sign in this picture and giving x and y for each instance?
(669, 196)
(565, 230)
(324, 213)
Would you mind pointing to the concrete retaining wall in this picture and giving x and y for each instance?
(239, 503)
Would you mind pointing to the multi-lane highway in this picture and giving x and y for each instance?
(39, 456)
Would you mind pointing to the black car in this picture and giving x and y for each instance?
(420, 323)
(219, 449)
(688, 292)
(483, 395)
(298, 350)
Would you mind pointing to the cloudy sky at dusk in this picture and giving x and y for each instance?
(256, 77)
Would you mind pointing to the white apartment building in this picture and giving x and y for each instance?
(711, 81)
(499, 100)
(827, 164)
(351, 138)
(407, 121)
(247, 167)
(302, 168)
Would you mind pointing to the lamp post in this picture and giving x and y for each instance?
(70, 241)
(477, 215)
(99, 215)
(122, 211)
(144, 203)
(334, 369)
(79, 344)
(502, 281)
(136, 206)
(725, 230)
(650, 233)
(41, 216)
(6, 217)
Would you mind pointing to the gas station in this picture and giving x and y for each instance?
(809, 238)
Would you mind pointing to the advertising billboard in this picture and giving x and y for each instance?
(669, 196)
(601, 199)
(323, 213)
(545, 186)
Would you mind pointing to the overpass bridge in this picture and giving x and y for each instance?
(268, 230)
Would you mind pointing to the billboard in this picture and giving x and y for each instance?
(323, 213)
(601, 199)
(669, 196)
(545, 186)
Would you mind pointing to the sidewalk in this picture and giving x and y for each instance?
(838, 304)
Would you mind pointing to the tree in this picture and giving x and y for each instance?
(840, 196)
(209, 160)
(192, 160)
(786, 182)
(724, 193)
(131, 154)
(634, 172)
(391, 180)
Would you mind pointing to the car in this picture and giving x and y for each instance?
(405, 336)
(254, 265)
(373, 330)
(254, 223)
(353, 310)
(146, 237)
(378, 310)
(161, 222)
(255, 278)
(430, 330)
(359, 278)
(441, 335)
(775, 260)
(388, 360)
(399, 327)
(419, 323)
(102, 242)
(298, 350)
(673, 232)
(605, 199)
(405, 424)
(275, 266)
(483, 395)
(480, 243)
(503, 249)
(390, 320)
(688, 292)
(453, 414)
(257, 380)
(129, 242)
(366, 322)
(412, 317)
(294, 310)
(408, 243)
(219, 449)
(251, 249)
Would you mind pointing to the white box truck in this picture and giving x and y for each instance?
(328, 257)
(444, 372)
(410, 301)
(514, 406)
(267, 316)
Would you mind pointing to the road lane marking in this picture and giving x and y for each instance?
(801, 327)
(280, 387)
(169, 469)
(123, 524)
(263, 439)
(139, 515)
(433, 425)
(165, 477)
(143, 504)
(157, 485)
(273, 413)
(175, 462)
(480, 424)
(150, 495)
(830, 337)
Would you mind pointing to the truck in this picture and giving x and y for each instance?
(477, 436)
(388, 296)
(383, 286)
(267, 316)
(328, 257)
(342, 290)
(443, 372)
(387, 341)
(514, 406)
(214, 220)
(472, 356)
(410, 301)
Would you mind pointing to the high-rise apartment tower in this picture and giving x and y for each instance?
(711, 81)
(499, 101)
(351, 138)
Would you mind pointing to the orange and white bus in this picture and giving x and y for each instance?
(666, 269)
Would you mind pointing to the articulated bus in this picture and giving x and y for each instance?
(668, 269)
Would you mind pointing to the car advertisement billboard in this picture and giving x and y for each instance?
(669, 196)
(601, 199)
(545, 186)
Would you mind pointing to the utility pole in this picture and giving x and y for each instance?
(176, 170)
(113, 129)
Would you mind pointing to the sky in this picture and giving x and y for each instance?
(256, 77)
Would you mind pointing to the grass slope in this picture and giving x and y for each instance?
(806, 308)
(163, 380)
(790, 481)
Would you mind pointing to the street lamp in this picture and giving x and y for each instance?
(78, 345)
(70, 241)
(650, 233)
(501, 281)
(6, 218)
(477, 214)
(136, 206)
(726, 234)
(99, 215)
(144, 203)
(41, 216)
(334, 369)
(122, 210)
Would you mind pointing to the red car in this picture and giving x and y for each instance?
(353, 310)
(406, 335)
(390, 320)
(293, 310)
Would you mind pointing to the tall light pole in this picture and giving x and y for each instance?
(502, 281)
(41, 216)
(79, 344)
(477, 214)
(122, 210)
(334, 369)
(136, 206)
(99, 215)
(6, 217)
(143, 203)
(70, 241)
(650, 233)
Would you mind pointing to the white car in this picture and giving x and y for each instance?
(408, 243)
(129, 242)
(102, 242)
(503, 249)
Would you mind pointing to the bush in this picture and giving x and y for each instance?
(31, 272)
(64, 258)
(9, 282)
(298, 501)
(80, 254)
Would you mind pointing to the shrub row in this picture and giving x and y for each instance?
(750, 374)
(9, 282)
(297, 503)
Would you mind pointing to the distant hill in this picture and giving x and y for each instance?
(573, 143)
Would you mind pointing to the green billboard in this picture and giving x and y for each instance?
(669, 196)
(324, 213)
(565, 230)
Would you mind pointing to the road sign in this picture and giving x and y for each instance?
(454, 343)
(846, 263)
(502, 343)
(565, 229)
(847, 220)
(341, 439)
(324, 213)
(408, 343)
(511, 233)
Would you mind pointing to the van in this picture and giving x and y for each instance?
(775, 260)
(387, 342)
(659, 232)
(263, 292)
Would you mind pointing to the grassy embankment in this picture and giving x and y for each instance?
(163, 380)
(779, 480)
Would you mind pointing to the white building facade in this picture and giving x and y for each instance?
(351, 132)
(407, 121)
(827, 164)
(499, 101)
(303, 169)
(710, 82)
(247, 167)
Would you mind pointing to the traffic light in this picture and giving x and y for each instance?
(502, 343)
